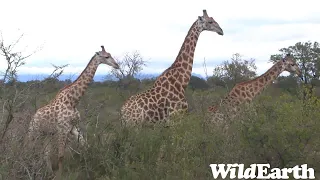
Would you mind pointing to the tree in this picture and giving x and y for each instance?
(11, 97)
(14, 59)
(51, 83)
(307, 56)
(287, 83)
(130, 65)
(198, 83)
(234, 71)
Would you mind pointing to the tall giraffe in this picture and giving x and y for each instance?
(246, 91)
(167, 96)
(61, 117)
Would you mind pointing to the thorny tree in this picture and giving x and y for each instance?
(13, 95)
(130, 65)
(49, 85)
(11, 98)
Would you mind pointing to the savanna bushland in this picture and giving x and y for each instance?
(281, 127)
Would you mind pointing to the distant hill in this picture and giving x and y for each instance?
(97, 77)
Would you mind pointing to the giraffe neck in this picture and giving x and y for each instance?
(184, 59)
(268, 77)
(248, 90)
(186, 53)
(77, 89)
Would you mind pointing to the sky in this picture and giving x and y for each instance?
(70, 32)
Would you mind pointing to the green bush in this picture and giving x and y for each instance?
(278, 129)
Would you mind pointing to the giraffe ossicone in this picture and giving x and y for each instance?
(60, 116)
(167, 96)
(205, 14)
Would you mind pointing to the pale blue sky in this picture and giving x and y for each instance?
(71, 31)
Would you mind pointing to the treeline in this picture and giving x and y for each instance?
(225, 75)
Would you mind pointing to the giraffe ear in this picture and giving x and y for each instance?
(97, 53)
(200, 18)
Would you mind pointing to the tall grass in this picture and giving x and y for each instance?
(280, 130)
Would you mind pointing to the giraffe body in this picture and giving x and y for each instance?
(167, 96)
(60, 117)
(245, 92)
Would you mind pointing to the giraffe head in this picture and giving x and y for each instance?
(105, 58)
(206, 23)
(290, 65)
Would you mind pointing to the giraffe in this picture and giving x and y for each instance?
(60, 116)
(245, 92)
(166, 96)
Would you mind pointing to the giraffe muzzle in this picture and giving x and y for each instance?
(220, 32)
(116, 66)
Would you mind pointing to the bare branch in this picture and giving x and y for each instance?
(11, 46)
(58, 70)
(130, 65)
(12, 96)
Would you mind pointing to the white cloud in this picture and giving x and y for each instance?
(71, 31)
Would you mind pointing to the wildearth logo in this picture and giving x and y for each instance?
(260, 171)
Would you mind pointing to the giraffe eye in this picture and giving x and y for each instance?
(292, 64)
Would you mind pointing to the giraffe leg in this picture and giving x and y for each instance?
(29, 138)
(78, 135)
(33, 127)
(181, 108)
(47, 155)
(75, 131)
(62, 139)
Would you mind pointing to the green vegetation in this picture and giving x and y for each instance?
(284, 132)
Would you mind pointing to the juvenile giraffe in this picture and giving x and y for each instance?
(246, 91)
(167, 97)
(61, 117)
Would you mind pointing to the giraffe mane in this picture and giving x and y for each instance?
(254, 79)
